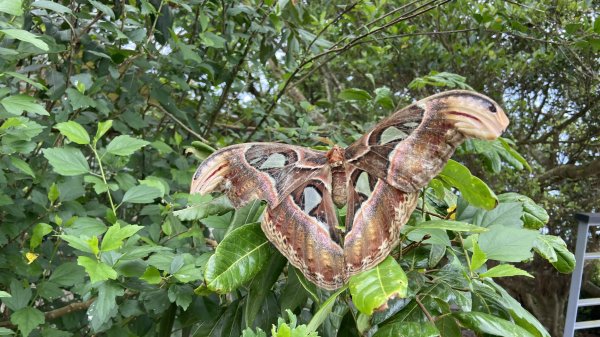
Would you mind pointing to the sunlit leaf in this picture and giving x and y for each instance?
(373, 288)
(473, 189)
(237, 258)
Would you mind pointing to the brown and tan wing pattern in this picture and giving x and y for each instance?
(407, 149)
(266, 171)
(304, 229)
(412, 146)
(376, 212)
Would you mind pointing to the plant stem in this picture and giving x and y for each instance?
(112, 205)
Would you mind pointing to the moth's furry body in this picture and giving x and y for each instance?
(377, 178)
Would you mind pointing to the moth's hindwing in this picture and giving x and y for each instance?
(304, 229)
(376, 213)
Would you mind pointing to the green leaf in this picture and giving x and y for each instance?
(12, 7)
(53, 193)
(507, 244)
(521, 316)
(103, 8)
(450, 225)
(213, 40)
(105, 306)
(113, 238)
(478, 258)
(383, 97)
(261, 285)
(554, 249)
(67, 161)
(505, 214)
(16, 104)
(25, 78)
(27, 319)
(238, 258)
(473, 189)
(408, 329)
(515, 155)
(373, 288)
(324, 310)
(97, 270)
(124, 145)
(5, 331)
(435, 236)
(188, 273)
(20, 295)
(53, 6)
(141, 194)
(505, 270)
(67, 274)
(39, 231)
(181, 294)
(103, 128)
(74, 132)
(79, 100)
(207, 206)
(533, 215)
(22, 166)
(486, 323)
(151, 275)
(79, 243)
(4, 294)
(26, 36)
(354, 94)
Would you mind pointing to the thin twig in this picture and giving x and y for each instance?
(185, 127)
(339, 50)
(429, 317)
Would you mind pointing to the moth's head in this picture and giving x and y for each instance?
(474, 115)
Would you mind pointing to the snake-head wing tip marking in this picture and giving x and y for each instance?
(210, 174)
(474, 115)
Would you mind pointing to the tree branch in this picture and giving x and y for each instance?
(56, 313)
(571, 172)
(185, 127)
(338, 51)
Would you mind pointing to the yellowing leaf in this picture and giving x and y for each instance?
(31, 257)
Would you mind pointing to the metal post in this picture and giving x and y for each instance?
(586, 220)
(582, 233)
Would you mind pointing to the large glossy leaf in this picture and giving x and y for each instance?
(489, 324)
(237, 259)
(375, 287)
(294, 294)
(521, 316)
(324, 310)
(261, 285)
(408, 329)
(473, 189)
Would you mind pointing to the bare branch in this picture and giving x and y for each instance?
(571, 172)
(185, 127)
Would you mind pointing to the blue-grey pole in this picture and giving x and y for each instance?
(582, 234)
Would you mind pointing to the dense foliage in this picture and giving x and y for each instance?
(107, 107)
